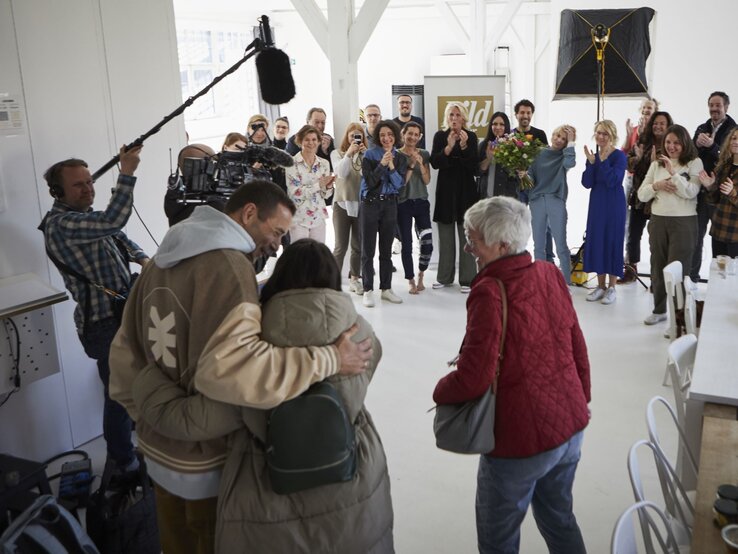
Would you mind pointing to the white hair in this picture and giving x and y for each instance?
(462, 110)
(500, 219)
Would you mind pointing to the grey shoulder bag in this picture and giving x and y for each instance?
(469, 428)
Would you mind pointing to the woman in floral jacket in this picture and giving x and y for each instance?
(309, 183)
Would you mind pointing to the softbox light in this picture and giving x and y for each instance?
(627, 50)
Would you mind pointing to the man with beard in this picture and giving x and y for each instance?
(405, 107)
(708, 138)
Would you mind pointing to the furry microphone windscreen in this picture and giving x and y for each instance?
(275, 76)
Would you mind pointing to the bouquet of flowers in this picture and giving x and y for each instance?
(515, 152)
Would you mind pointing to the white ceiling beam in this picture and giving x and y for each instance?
(477, 54)
(504, 21)
(541, 48)
(316, 22)
(412, 10)
(364, 26)
(453, 20)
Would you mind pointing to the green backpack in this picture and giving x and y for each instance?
(310, 441)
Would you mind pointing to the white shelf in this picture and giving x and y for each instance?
(25, 293)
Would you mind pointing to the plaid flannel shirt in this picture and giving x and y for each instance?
(725, 218)
(84, 242)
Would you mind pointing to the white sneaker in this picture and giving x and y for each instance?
(609, 296)
(396, 246)
(368, 299)
(465, 289)
(438, 285)
(653, 319)
(356, 287)
(596, 295)
(390, 296)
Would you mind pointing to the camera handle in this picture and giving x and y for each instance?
(254, 48)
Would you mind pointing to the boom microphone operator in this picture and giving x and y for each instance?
(273, 67)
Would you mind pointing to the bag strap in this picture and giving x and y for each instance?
(64, 268)
(502, 337)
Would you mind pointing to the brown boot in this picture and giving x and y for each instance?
(629, 275)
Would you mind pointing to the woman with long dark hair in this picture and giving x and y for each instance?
(494, 180)
(723, 194)
(646, 151)
(672, 184)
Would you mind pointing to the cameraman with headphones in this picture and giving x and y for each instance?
(92, 253)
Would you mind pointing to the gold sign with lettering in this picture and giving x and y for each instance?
(480, 109)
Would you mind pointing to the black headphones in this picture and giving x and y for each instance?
(56, 190)
(54, 173)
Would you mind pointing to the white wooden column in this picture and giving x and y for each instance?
(342, 37)
(478, 54)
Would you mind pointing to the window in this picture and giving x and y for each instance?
(203, 55)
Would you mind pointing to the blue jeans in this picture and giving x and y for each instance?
(505, 488)
(117, 425)
(548, 214)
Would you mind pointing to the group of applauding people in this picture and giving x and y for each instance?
(677, 185)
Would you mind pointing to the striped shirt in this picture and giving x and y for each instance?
(84, 242)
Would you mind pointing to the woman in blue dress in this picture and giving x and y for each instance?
(603, 175)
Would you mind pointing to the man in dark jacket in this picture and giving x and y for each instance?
(708, 138)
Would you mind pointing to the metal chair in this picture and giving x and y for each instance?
(653, 522)
(691, 295)
(681, 354)
(674, 301)
(679, 507)
(686, 463)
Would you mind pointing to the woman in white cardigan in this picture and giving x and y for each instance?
(672, 184)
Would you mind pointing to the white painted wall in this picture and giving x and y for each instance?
(94, 74)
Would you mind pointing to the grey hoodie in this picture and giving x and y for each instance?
(207, 229)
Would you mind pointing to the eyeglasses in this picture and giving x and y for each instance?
(470, 242)
(374, 115)
(404, 102)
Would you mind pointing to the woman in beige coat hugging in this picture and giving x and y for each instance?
(302, 306)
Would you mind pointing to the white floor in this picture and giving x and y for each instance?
(433, 491)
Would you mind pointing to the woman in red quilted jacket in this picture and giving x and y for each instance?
(543, 386)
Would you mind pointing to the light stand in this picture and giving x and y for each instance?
(600, 38)
(252, 49)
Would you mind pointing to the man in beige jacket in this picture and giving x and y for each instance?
(195, 311)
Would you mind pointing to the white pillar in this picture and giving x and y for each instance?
(342, 37)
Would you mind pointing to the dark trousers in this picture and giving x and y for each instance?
(637, 221)
(720, 248)
(185, 526)
(377, 217)
(419, 209)
(117, 426)
(704, 215)
(671, 239)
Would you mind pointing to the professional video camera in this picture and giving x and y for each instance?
(221, 174)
